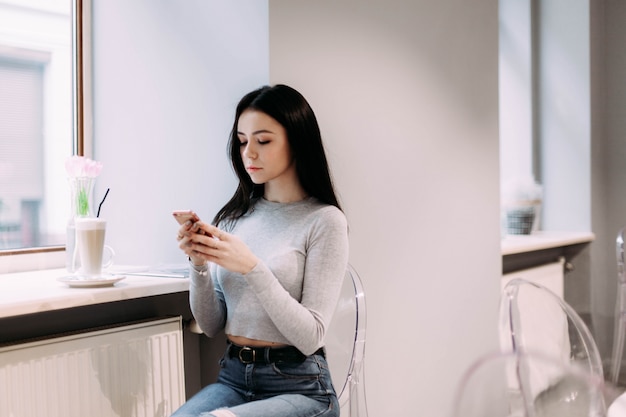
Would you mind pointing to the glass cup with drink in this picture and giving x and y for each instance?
(94, 254)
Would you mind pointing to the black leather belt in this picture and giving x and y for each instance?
(287, 354)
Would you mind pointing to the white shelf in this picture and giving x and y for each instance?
(513, 244)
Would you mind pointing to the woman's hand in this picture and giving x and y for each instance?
(184, 237)
(204, 242)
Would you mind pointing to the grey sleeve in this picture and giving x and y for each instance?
(206, 300)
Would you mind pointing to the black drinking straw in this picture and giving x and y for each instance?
(100, 205)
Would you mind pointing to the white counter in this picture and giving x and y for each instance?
(38, 291)
(513, 244)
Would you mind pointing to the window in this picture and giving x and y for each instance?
(545, 105)
(36, 122)
(516, 89)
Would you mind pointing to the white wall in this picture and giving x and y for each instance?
(167, 76)
(406, 93)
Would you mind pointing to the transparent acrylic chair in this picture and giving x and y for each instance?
(524, 384)
(533, 318)
(345, 346)
(620, 309)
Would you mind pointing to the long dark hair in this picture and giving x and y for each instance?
(289, 108)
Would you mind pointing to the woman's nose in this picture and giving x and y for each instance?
(249, 152)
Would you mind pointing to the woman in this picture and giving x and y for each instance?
(269, 269)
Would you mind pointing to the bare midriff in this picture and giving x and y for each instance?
(244, 341)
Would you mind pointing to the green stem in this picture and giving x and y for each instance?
(83, 202)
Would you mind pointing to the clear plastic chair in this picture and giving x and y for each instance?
(620, 309)
(345, 346)
(524, 384)
(533, 318)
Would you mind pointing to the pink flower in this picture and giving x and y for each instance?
(79, 166)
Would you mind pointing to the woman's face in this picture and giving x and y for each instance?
(265, 149)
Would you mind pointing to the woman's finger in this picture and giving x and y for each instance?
(214, 231)
(183, 230)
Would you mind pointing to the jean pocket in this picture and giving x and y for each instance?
(309, 369)
(222, 362)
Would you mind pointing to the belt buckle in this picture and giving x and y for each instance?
(247, 349)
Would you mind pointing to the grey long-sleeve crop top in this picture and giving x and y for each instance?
(290, 295)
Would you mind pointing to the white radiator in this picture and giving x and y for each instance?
(134, 370)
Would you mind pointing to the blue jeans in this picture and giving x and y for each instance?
(267, 390)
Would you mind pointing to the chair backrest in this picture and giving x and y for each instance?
(345, 345)
(502, 384)
(533, 318)
(619, 332)
(619, 252)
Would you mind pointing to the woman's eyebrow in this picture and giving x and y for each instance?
(256, 132)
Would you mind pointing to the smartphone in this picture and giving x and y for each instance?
(182, 216)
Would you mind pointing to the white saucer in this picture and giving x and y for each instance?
(79, 281)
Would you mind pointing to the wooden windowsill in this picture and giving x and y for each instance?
(40, 291)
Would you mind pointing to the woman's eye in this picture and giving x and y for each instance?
(243, 143)
(263, 142)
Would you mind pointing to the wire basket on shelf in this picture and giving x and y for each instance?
(520, 220)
